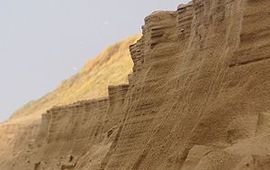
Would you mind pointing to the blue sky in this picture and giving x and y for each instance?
(43, 42)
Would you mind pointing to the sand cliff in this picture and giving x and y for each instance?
(198, 99)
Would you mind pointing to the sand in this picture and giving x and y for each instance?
(197, 99)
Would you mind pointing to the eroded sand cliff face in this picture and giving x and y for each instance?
(109, 67)
(198, 99)
(22, 130)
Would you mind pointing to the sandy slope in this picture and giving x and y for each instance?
(198, 99)
(110, 67)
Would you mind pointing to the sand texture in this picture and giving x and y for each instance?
(198, 99)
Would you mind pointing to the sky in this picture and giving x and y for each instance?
(43, 42)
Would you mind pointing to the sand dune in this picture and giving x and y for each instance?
(197, 99)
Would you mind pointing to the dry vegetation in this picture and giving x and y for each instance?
(110, 67)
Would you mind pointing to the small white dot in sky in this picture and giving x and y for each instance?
(106, 22)
(74, 68)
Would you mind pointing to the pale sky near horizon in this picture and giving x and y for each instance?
(43, 42)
